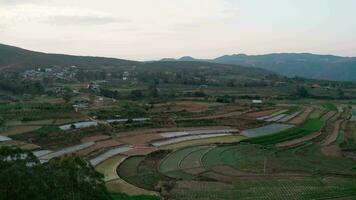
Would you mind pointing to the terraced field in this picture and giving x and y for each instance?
(266, 188)
(310, 126)
(239, 170)
(277, 161)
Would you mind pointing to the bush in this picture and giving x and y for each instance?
(46, 130)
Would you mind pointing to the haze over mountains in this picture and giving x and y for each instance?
(306, 65)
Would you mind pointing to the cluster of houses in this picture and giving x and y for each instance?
(63, 73)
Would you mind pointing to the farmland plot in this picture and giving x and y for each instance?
(272, 115)
(328, 115)
(108, 154)
(266, 130)
(193, 160)
(293, 188)
(65, 151)
(196, 132)
(261, 113)
(205, 141)
(163, 142)
(310, 126)
(302, 117)
(173, 160)
(276, 118)
(289, 117)
(99, 145)
(298, 141)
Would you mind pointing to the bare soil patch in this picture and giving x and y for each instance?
(98, 146)
(140, 150)
(302, 117)
(140, 139)
(261, 113)
(17, 130)
(298, 141)
(332, 150)
(334, 134)
(95, 138)
(189, 106)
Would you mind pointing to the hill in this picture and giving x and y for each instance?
(18, 60)
(326, 67)
(15, 59)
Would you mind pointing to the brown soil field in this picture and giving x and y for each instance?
(99, 145)
(140, 139)
(95, 138)
(144, 136)
(214, 115)
(334, 134)
(30, 147)
(140, 150)
(328, 115)
(189, 106)
(261, 113)
(298, 141)
(302, 117)
(332, 150)
(240, 122)
(20, 144)
(17, 130)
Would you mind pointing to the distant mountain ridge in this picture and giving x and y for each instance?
(327, 67)
(18, 60)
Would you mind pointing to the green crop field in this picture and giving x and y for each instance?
(308, 127)
(330, 106)
(295, 188)
(292, 110)
(193, 159)
(172, 161)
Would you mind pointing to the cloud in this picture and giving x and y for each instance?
(55, 16)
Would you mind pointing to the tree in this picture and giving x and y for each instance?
(22, 176)
(153, 89)
(136, 94)
(341, 93)
(302, 92)
(2, 121)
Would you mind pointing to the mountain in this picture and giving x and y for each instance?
(326, 67)
(15, 59)
(18, 60)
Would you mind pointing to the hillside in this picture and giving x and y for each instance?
(17, 59)
(306, 65)
(14, 59)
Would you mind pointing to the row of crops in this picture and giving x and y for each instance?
(250, 158)
(176, 137)
(269, 188)
(308, 127)
(266, 130)
(283, 115)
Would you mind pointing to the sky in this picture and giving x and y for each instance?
(154, 29)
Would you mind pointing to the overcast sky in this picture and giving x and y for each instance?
(153, 29)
